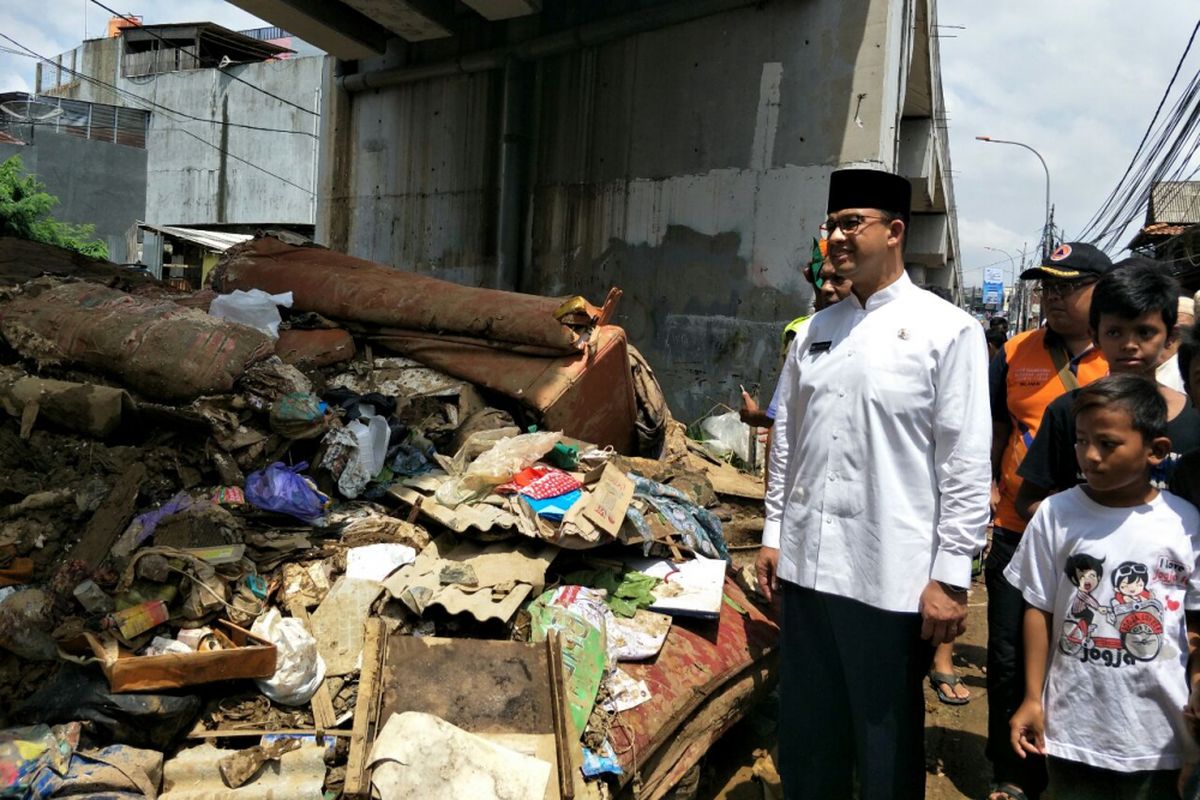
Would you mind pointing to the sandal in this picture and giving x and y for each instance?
(1007, 790)
(936, 679)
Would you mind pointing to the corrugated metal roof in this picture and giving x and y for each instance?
(213, 240)
(1175, 202)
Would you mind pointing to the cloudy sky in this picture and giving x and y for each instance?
(1076, 79)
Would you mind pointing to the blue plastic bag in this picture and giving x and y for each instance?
(281, 489)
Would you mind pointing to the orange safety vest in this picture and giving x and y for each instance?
(1032, 384)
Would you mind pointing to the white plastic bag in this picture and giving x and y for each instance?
(498, 465)
(727, 434)
(255, 308)
(371, 439)
(299, 668)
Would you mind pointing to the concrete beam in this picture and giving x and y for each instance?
(412, 20)
(332, 26)
(505, 9)
(928, 241)
(917, 161)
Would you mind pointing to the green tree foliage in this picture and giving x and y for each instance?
(25, 213)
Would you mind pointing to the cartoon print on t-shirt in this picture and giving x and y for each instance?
(1084, 571)
(1133, 614)
(1134, 611)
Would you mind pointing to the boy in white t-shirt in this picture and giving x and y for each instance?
(1109, 572)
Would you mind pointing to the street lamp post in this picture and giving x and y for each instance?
(1046, 234)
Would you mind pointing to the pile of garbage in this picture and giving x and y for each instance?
(249, 536)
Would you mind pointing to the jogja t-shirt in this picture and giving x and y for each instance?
(1117, 582)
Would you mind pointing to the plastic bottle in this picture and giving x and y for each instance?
(138, 619)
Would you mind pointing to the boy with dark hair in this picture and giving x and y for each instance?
(1132, 318)
(1105, 705)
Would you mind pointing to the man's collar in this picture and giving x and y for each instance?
(885, 295)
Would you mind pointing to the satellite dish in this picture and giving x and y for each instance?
(30, 109)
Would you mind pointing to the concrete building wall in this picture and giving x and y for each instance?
(686, 165)
(96, 183)
(191, 181)
(198, 170)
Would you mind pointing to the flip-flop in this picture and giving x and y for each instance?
(936, 679)
(1008, 790)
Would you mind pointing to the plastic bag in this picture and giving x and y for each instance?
(26, 751)
(140, 719)
(299, 668)
(727, 434)
(282, 489)
(495, 466)
(578, 614)
(254, 308)
(300, 415)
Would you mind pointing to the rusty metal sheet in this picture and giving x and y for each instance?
(699, 663)
(354, 289)
(587, 396)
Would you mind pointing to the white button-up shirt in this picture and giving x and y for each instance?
(880, 456)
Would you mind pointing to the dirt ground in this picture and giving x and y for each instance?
(954, 735)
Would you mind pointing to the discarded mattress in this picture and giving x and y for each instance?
(343, 287)
(161, 349)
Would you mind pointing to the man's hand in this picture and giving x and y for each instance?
(1027, 728)
(995, 501)
(943, 615)
(765, 569)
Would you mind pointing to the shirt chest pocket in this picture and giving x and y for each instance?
(900, 379)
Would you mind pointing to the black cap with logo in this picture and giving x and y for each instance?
(1071, 260)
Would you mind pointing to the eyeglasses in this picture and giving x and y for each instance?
(1057, 288)
(848, 224)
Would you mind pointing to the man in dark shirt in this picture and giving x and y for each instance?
(1132, 318)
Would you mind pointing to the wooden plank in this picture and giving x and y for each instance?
(558, 702)
(236, 733)
(322, 703)
(358, 778)
(110, 519)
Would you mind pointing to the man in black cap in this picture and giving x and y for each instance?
(1027, 374)
(877, 500)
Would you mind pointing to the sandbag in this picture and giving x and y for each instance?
(156, 347)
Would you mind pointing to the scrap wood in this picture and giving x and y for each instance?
(110, 519)
(564, 746)
(322, 704)
(358, 780)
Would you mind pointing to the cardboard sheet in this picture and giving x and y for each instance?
(337, 624)
(486, 581)
(419, 755)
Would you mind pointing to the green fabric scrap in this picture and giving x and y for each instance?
(626, 592)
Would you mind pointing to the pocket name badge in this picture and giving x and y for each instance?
(819, 347)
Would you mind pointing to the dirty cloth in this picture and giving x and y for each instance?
(554, 508)
(24, 752)
(699, 527)
(115, 772)
(420, 755)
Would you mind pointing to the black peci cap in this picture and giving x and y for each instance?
(869, 188)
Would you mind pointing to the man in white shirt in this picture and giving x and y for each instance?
(878, 498)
